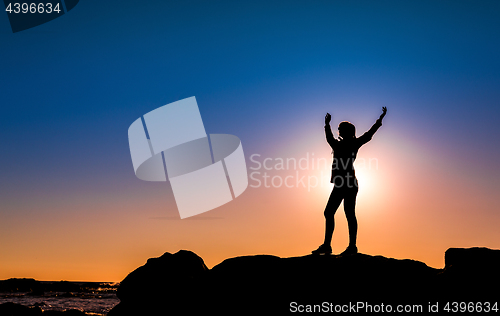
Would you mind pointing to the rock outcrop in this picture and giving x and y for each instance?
(172, 281)
(181, 283)
(21, 285)
(471, 274)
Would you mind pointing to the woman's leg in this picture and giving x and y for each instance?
(330, 209)
(350, 214)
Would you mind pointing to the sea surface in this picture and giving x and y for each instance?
(93, 298)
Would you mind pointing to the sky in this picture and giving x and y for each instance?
(71, 207)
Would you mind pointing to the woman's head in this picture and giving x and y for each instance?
(347, 130)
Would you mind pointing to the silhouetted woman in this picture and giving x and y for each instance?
(344, 179)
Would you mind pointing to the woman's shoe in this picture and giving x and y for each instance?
(350, 250)
(322, 250)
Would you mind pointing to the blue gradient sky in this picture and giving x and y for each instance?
(266, 71)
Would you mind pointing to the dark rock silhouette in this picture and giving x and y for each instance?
(471, 274)
(62, 286)
(170, 280)
(20, 285)
(181, 283)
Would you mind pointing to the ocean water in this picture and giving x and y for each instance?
(91, 298)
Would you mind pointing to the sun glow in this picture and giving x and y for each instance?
(369, 182)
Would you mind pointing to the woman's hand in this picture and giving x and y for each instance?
(328, 118)
(384, 111)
